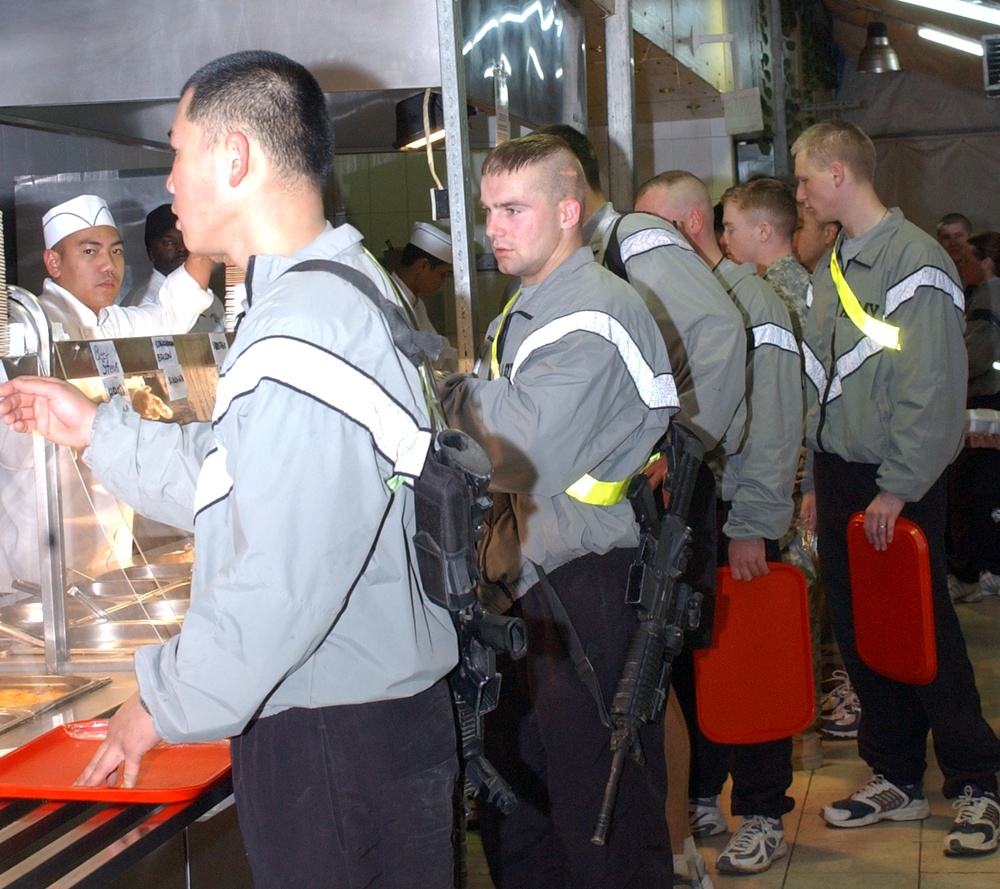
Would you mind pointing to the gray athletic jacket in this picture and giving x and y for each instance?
(757, 470)
(304, 591)
(700, 325)
(901, 410)
(585, 388)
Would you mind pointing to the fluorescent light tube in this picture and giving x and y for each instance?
(973, 47)
(975, 11)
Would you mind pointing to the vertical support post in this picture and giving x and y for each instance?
(618, 43)
(780, 146)
(453, 96)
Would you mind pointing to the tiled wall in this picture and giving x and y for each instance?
(700, 147)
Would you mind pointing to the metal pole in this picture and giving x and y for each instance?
(780, 146)
(453, 97)
(621, 105)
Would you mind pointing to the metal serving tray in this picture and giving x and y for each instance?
(58, 690)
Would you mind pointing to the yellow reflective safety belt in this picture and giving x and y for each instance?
(589, 490)
(586, 489)
(494, 359)
(884, 334)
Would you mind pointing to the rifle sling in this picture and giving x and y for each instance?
(570, 638)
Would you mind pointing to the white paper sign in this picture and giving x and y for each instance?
(165, 351)
(220, 347)
(109, 367)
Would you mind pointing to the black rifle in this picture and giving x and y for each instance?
(667, 607)
(451, 502)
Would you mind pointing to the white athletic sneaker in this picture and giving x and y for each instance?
(878, 800)
(757, 843)
(977, 828)
(706, 817)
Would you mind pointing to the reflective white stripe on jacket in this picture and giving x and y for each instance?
(304, 591)
(900, 410)
(586, 389)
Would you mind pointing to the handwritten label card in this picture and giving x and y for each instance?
(220, 347)
(109, 367)
(166, 360)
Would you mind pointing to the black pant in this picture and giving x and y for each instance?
(973, 494)
(896, 716)
(546, 738)
(762, 773)
(356, 795)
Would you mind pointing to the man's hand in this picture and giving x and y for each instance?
(200, 267)
(880, 519)
(807, 511)
(747, 559)
(130, 737)
(54, 409)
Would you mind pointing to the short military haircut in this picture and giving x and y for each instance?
(683, 186)
(768, 200)
(272, 99)
(565, 179)
(838, 140)
(955, 219)
(986, 245)
(582, 147)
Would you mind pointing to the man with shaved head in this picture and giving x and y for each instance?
(756, 468)
(572, 393)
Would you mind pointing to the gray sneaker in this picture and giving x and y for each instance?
(757, 844)
(706, 817)
(962, 592)
(989, 583)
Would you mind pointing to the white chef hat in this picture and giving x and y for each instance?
(432, 240)
(85, 211)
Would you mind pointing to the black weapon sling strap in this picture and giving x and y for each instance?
(571, 640)
(564, 626)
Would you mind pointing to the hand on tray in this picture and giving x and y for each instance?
(130, 737)
(880, 519)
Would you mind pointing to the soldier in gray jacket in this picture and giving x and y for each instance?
(571, 394)
(704, 335)
(309, 639)
(756, 471)
(887, 369)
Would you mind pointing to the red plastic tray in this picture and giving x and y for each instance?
(46, 768)
(892, 589)
(756, 683)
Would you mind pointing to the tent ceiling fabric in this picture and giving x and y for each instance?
(850, 21)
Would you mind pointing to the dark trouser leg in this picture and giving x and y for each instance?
(574, 758)
(349, 796)
(522, 849)
(973, 494)
(896, 716)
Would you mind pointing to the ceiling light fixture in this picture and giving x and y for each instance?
(975, 11)
(877, 57)
(973, 47)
